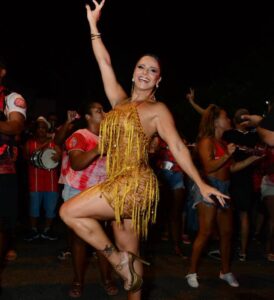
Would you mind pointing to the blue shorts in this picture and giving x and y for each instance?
(47, 199)
(69, 192)
(222, 186)
(174, 180)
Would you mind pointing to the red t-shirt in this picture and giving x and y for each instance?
(164, 155)
(41, 180)
(82, 140)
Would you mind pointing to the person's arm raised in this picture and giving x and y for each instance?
(166, 128)
(114, 91)
(190, 96)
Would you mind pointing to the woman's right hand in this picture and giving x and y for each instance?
(209, 193)
(190, 96)
(94, 15)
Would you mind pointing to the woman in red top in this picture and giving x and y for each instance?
(215, 157)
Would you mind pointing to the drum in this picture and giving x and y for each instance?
(43, 159)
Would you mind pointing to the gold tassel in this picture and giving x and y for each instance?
(123, 141)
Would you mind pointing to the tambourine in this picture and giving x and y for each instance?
(43, 159)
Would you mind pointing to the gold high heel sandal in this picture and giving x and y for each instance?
(136, 279)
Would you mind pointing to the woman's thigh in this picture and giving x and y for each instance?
(89, 203)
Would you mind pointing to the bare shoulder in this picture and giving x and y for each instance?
(157, 107)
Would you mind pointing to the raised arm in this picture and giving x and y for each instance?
(166, 128)
(114, 91)
(65, 130)
(190, 96)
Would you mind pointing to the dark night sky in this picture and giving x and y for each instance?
(47, 45)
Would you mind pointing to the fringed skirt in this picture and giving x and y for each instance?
(133, 194)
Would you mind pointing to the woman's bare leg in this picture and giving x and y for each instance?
(225, 224)
(206, 215)
(81, 213)
(175, 218)
(244, 221)
(79, 257)
(269, 201)
(127, 240)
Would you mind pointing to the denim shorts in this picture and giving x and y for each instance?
(69, 192)
(221, 186)
(47, 199)
(267, 188)
(174, 180)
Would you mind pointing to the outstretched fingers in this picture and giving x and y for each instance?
(97, 5)
(212, 195)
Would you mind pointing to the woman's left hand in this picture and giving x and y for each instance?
(207, 191)
(93, 15)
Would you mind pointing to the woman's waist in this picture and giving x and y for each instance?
(131, 169)
(222, 174)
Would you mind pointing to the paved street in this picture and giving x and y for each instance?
(38, 275)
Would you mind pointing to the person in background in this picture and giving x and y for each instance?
(241, 188)
(264, 125)
(82, 168)
(52, 118)
(171, 178)
(217, 164)
(43, 182)
(12, 118)
(267, 193)
(72, 123)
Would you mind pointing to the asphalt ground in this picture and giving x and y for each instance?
(37, 274)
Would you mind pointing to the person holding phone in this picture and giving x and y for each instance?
(217, 163)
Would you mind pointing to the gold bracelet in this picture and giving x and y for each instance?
(95, 37)
(95, 34)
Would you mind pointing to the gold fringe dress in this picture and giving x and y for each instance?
(131, 187)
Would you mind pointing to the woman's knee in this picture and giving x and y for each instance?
(64, 212)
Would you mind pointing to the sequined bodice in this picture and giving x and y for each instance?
(123, 139)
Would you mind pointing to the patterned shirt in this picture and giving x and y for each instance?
(82, 140)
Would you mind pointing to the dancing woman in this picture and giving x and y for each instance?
(130, 193)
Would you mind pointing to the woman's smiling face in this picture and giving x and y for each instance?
(147, 73)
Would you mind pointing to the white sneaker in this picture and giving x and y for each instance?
(230, 279)
(192, 280)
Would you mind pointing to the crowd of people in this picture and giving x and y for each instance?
(113, 169)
